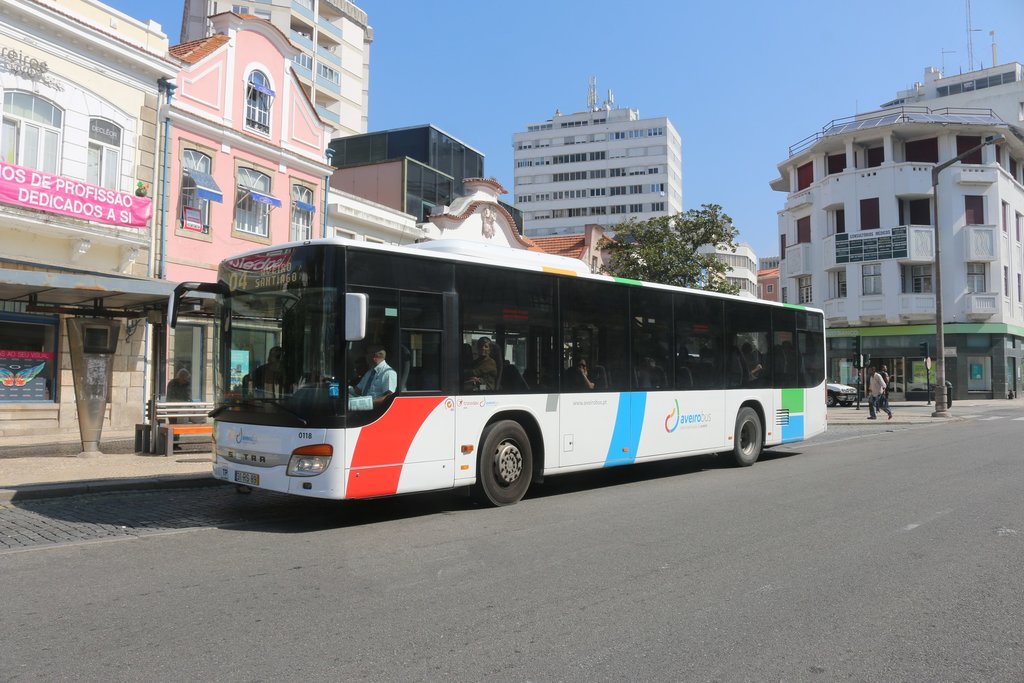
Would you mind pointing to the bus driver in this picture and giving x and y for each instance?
(379, 382)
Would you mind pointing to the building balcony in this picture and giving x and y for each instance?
(329, 33)
(328, 86)
(303, 11)
(799, 260)
(328, 57)
(303, 73)
(328, 115)
(911, 178)
(802, 198)
(872, 308)
(981, 305)
(917, 307)
(302, 41)
(835, 311)
(980, 243)
(976, 175)
(920, 244)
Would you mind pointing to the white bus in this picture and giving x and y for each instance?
(505, 367)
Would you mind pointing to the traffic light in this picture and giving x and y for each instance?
(923, 349)
(857, 360)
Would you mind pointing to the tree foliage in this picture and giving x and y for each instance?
(664, 249)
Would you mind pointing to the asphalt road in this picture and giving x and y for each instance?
(869, 554)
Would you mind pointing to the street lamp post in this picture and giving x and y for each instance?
(941, 404)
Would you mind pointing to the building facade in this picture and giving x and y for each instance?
(81, 86)
(768, 284)
(332, 60)
(742, 265)
(857, 234)
(600, 166)
(246, 167)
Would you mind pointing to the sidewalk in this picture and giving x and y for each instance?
(37, 467)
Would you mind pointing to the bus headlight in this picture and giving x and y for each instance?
(310, 461)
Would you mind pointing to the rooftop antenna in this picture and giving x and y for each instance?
(945, 52)
(993, 35)
(970, 38)
(592, 93)
(611, 99)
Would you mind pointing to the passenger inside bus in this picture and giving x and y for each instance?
(268, 379)
(577, 377)
(485, 367)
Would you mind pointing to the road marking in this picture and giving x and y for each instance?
(1018, 419)
(989, 419)
(1003, 531)
(911, 527)
(926, 520)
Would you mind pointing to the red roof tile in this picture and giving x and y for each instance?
(573, 246)
(194, 50)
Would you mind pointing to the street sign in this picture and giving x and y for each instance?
(928, 363)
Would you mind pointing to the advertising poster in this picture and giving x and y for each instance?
(239, 367)
(25, 375)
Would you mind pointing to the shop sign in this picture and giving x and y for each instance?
(32, 189)
(192, 219)
(16, 62)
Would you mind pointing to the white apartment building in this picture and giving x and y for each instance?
(333, 38)
(600, 166)
(742, 267)
(857, 234)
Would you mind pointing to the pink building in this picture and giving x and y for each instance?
(246, 164)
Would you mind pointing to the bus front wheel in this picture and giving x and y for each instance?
(747, 438)
(505, 466)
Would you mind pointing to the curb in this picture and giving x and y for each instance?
(15, 494)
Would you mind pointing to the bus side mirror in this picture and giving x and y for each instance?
(355, 316)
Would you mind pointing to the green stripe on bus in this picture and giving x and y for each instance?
(796, 306)
(627, 281)
(793, 400)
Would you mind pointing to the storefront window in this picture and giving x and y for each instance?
(979, 373)
(28, 359)
(189, 357)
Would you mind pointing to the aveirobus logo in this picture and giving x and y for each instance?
(676, 418)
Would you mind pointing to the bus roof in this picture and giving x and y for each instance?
(504, 257)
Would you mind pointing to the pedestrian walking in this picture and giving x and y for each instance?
(876, 394)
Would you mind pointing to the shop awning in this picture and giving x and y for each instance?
(305, 206)
(206, 186)
(68, 291)
(265, 199)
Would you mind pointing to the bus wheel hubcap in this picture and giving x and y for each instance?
(509, 462)
(747, 438)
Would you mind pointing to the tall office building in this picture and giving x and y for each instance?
(333, 37)
(599, 166)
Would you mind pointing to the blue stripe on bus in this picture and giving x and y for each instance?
(794, 431)
(629, 422)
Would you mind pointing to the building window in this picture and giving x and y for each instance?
(28, 359)
(1006, 281)
(104, 155)
(871, 278)
(974, 209)
(869, 217)
(658, 206)
(875, 156)
(193, 160)
(836, 221)
(302, 213)
(636, 208)
(804, 286)
(1006, 218)
(258, 99)
(1020, 288)
(976, 277)
(326, 73)
(966, 142)
(835, 163)
(784, 296)
(915, 211)
(252, 216)
(926, 150)
(31, 132)
(803, 230)
(839, 284)
(917, 279)
(1020, 226)
(303, 60)
(804, 176)
(769, 288)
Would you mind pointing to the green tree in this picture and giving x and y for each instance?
(664, 249)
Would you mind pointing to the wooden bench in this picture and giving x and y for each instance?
(182, 423)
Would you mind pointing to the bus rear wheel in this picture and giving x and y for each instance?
(505, 465)
(748, 438)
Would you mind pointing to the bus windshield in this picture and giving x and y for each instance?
(277, 361)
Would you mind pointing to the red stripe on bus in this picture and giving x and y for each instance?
(383, 446)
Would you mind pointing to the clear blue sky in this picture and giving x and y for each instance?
(741, 81)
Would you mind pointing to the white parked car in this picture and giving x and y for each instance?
(840, 394)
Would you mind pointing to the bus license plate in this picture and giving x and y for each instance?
(247, 478)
